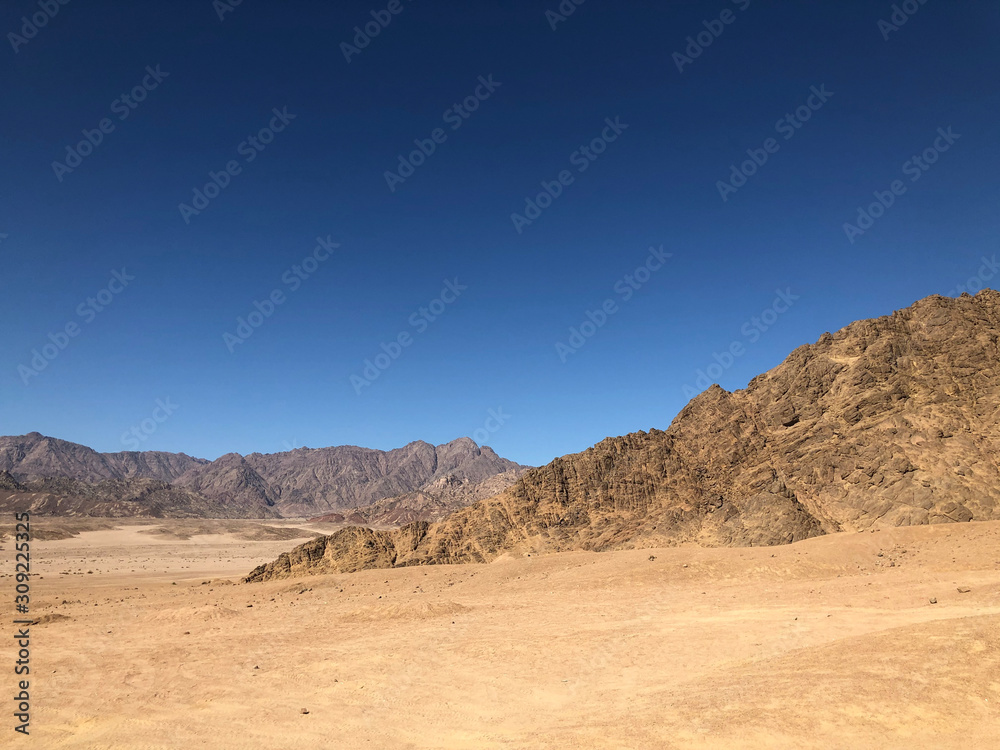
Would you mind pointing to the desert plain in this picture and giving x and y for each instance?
(146, 638)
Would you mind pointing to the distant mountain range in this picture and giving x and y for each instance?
(888, 422)
(418, 481)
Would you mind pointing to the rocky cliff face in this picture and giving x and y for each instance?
(891, 421)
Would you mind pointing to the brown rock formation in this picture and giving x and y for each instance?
(437, 500)
(888, 422)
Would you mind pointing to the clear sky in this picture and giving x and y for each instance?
(632, 126)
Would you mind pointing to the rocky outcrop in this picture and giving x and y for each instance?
(352, 549)
(8, 483)
(439, 498)
(891, 421)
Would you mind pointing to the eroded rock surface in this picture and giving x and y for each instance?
(888, 422)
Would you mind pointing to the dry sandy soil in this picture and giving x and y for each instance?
(828, 643)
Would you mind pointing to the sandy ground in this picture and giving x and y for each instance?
(829, 643)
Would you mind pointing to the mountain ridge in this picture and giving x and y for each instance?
(302, 482)
(889, 421)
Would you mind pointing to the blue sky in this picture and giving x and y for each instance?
(362, 259)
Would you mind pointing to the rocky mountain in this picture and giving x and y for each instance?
(892, 421)
(307, 482)
(439, 498)
(67, 478)
(7, 482)
(116, 498)
(34, 456)
(231, 481)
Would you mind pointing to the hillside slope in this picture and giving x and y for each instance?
(888, 422)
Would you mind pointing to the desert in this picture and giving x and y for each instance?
(151, 640)
(812, 562)
(500, 375)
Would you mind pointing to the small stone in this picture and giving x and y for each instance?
(303, 710)
(963, 590)
(933, 600)
(652, 557)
